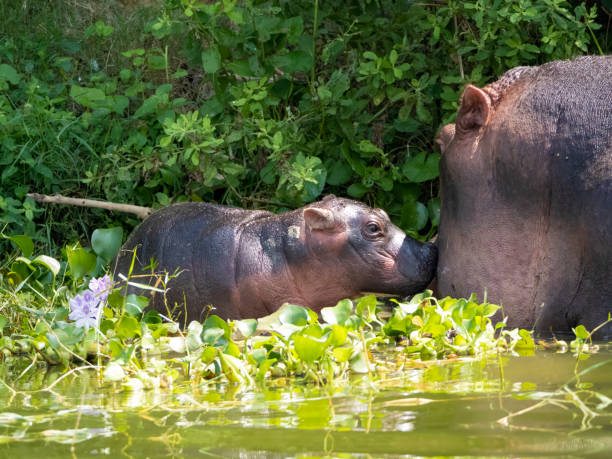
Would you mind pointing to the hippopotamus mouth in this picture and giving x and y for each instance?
(418, 264)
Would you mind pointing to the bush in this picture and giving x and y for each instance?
(249, 103)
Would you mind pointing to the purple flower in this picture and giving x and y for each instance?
(101, 287)
(84, 310)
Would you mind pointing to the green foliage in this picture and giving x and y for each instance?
(247, 103)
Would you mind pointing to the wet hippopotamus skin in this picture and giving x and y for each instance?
(248, 263)
(526, 188)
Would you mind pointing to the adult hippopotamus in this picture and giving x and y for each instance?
(526, 188)
(248, 263)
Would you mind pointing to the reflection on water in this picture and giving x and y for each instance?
(519, 406)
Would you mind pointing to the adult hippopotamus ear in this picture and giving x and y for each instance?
(447, 133)
(318, 218)
(474, 109)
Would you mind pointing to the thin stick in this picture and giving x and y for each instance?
(140, 211)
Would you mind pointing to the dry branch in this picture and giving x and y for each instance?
(140, 211)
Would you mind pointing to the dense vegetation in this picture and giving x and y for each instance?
(250, 103)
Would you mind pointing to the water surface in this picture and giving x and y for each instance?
(519, 406)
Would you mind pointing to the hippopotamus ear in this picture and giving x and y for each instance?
(329, 197)
(447, 133)
(474, 109)
(318, 218)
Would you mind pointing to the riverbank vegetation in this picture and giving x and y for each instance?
(253, 104)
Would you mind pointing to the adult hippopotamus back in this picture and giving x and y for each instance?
(248, 263)
(526, 184)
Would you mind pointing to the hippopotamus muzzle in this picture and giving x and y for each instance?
(417, 262)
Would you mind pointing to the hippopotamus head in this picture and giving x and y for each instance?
(526, 187)
(366, 249)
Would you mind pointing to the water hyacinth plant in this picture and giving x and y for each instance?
(85, 308)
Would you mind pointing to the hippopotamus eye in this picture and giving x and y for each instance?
(373, 230)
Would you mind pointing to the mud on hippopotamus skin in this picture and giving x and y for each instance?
(248, 263)
(526, 185)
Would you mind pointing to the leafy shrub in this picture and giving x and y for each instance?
(250, 103)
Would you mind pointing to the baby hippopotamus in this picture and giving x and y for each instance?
(526, 183)
(247, 263)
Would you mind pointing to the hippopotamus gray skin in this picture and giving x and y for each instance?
(526, 189)
(247, 263)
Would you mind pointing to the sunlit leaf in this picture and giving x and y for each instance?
(339, 313)
(309, 348)
(293, 314)
(48, 262)
(247, 326)
(581, 332)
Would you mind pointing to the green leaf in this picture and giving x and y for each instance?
(295, 28)
(215, 331)
(309, 348)
(526, 342)
(339, 313)
(339, 173)
(81, 262)
(294, 61)
(581, 332)
(87, 97)
(338, 335)
(247, 327)
(368, 149)
(128, 327)
(433, 207)
(366, 307)
(106, 242)
(148, 106)
(342, 354)
(293, 314)
(414, 215)
(9, 74)
(50, 263)
(135, 304)
(211, 60)
(24, 243)
(357, 190)
(422, 167)
(358, 363)
(208, 354)
(114, 372)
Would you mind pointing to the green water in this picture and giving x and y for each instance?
(529, 406)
